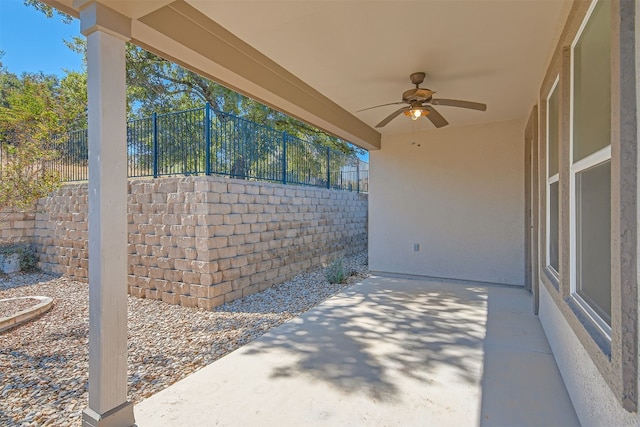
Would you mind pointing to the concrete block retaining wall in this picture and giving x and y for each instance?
(16, 226)
(61, 232)
(202, 241)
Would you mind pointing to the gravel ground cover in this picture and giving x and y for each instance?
(10, 308)
(44, 363)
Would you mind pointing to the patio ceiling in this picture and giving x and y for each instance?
(333, 58)
(361, 53)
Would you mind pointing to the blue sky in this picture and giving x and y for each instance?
(32, 42)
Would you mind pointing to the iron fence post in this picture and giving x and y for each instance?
(207, 138)
(284, 157)
(155, 145)
(358, 175)
(328, 167)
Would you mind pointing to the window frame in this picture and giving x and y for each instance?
(592, 160)
(551, 180)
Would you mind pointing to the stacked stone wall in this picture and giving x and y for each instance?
(61, 231)
(16, 226)
(203, 241)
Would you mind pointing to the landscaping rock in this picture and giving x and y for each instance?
(10, 263)
(44, 363)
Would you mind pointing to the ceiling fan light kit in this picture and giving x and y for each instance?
(416, 113)
(420, 102)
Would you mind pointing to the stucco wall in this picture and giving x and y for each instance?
(593, 400)
(459, 194)
(202, 241)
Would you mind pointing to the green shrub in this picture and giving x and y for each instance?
(28, 256)
(335, 272)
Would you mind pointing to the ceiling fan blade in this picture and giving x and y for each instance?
(435, 117)
(382, 105)
(458, 103)
(392, 116)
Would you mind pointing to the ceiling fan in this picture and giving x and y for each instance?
(420, 103)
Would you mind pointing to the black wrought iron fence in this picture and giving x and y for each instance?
(204, 141)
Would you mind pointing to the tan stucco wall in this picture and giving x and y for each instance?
(593, 400)
(459, 195)
(600, 371)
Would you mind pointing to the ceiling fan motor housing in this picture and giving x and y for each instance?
(417, 95)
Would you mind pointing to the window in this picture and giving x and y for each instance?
(553, 182)
(591, 166)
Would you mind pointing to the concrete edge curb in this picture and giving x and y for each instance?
(25, 315)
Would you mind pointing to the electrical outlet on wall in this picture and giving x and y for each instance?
(416, 247)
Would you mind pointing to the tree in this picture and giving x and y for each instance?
(155, 85)
(72, 93)
(47, 10)
(158, 85)
(29, 117)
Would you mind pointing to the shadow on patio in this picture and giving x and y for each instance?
(385, 352)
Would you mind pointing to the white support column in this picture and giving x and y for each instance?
(106, 33)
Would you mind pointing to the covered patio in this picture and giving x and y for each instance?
(390, 351)
(496, 197)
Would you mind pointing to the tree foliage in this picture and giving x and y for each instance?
(36, 110)
(30, 114)
(158, 86)
(47, 10)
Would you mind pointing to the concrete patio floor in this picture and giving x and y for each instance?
(385, 352)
